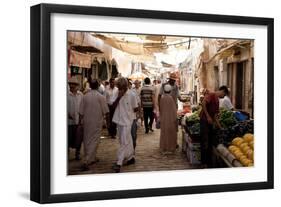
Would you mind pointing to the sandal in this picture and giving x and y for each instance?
(116, 168)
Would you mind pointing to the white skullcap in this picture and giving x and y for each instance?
(167, 88)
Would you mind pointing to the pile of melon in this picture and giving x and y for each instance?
(243, 149)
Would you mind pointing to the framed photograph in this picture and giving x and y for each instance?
(132, 103)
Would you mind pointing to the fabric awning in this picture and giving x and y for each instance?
(138, 76)
(79, 59)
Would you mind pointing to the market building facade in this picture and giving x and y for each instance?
(230, 63)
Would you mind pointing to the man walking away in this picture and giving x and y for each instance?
(92, 111)
(147, 103)
(168, 111)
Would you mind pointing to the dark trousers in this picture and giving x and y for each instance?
(206, 133)
(134, 133)
(112, 129)
(148, 114)
(75, 137)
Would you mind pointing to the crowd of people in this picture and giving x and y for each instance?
(122, 104)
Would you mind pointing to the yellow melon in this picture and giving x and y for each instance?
(242, 157)
(238, 154)
(237, 150)
(243, 145)
(237, 140)
(251, 144)
(245, 149)
(246, 162)
(250, 154)
(248, 137)
(232, 148)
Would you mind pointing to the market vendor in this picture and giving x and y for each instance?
(225, 102)
(208, 117)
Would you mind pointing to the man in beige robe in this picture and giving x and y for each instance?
(168, 121)
(93, 108)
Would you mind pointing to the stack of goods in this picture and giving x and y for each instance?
(228, 156)
(225, 136)
(193, 151)
(243, 149)
(193, 124)
(181, 113)
(242, 128)
(192, 129)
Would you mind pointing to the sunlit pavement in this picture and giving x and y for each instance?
(148, 156)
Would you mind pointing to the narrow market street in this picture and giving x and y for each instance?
(205, 84)
(148, 156)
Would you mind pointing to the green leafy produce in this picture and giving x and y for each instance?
(226, 118)
(194, 117)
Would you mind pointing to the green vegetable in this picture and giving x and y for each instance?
(193, 117)
(227, 118)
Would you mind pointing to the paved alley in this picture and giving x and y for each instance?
(148, 156)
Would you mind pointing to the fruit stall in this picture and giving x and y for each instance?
(239, 152)
(233, 146)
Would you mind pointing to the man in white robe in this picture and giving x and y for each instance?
(74, 98)
(93, 108)
(126, 105)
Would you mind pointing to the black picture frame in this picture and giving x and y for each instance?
(40, 102)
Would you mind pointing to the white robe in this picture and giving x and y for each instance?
(123, 117)
(126, 149)
(93, 108)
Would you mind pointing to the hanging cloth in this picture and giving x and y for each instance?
(114, 72)
(103, 71)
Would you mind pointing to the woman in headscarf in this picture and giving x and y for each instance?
(168, 121)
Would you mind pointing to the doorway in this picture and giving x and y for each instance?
(240, 77)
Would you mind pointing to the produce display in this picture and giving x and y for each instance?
(243, 149)
(235, 142)
(193, 118)
(225, 136)
(186, 109)
(227, 118)
(242, 128)
(193, 123)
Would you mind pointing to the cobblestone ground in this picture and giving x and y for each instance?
(148, 156)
